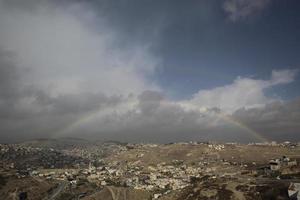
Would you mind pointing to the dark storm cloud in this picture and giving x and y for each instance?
(8, 76)
(154, 118)
(149, 101)
(278, 120)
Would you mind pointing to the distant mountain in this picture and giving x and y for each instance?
(58, 143)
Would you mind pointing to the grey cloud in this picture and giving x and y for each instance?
(149, 101)
(56, 67)
(157, 119)
(147, 117)
(167, 121)
(8, 75)
(26, 111)
(70, 50)
(277, 121)
(241, 9)
(76, 103)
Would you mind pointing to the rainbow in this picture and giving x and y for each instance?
(258, 136)
(91, 115)
(121, 108)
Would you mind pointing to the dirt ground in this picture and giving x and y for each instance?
(36, 188)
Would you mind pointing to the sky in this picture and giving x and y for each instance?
(150, 71)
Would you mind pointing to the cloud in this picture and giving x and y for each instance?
(149, 117)
(277, 120)
(282, 76)
(243, 92)
(70, 50)
(65, 72)
(59, 63)
(241, 9)
(28, 112)
(152, 117)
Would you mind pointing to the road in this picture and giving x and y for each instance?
(56, 191)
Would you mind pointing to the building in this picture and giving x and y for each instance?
(294, 191)
(275, 165)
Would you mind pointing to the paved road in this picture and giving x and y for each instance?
(56, 191)
(113, 196)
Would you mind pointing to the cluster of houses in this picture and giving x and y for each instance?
(159, 179)
(162, 177)
(26, 157)
(279, 163)
(294, 191)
